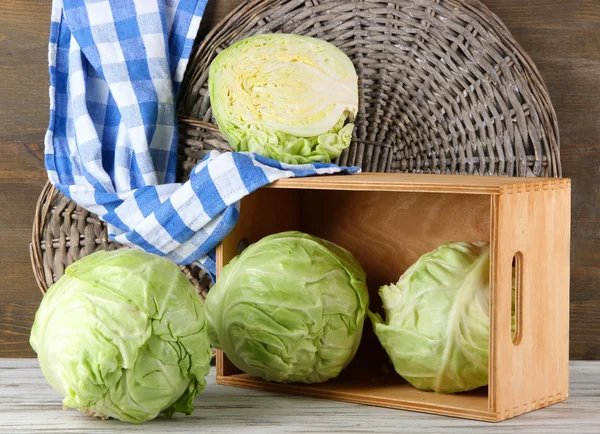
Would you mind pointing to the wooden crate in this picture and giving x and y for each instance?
(388, 221)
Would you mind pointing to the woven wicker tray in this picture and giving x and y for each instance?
(443, 88)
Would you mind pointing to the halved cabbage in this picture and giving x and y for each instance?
(284, 96)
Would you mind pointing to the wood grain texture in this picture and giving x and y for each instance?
(24, 29)
(563, 39)
(530, 371)
(387, 221)
(408, 182)
(28, 404)
(378, 390)
(561, 36)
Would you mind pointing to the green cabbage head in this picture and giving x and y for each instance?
(123, 334)
(284, 96)
(436, 331)
(289, 308)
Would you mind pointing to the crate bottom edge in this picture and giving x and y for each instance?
(484, 416)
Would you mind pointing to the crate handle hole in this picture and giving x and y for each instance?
(516, 310)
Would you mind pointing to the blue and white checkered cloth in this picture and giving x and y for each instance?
(111, 146)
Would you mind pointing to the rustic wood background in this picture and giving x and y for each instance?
(562, 37)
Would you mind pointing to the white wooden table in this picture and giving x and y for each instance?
(28, 404)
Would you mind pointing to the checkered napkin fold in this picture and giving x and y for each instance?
(111, 145)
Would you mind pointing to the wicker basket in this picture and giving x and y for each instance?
(444, 88)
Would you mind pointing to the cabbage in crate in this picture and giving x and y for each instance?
(287, 97)
(289, 308)
(436, 331)
(123, 334)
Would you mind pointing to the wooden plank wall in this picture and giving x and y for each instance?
(562, 37)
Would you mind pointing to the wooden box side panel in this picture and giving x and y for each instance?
(411, 182)
(533, 371)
